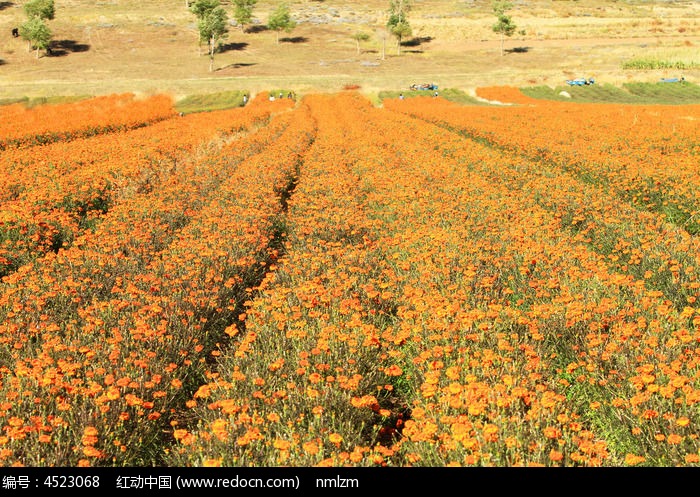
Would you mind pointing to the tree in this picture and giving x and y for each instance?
(43, 9)
(37, 34)
(212, 24)
(243, 12)
(382, 35)
(505, 25)
(280, 19)
(398, 24)
(358, 37)
(200, 8)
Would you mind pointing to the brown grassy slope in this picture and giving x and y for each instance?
(151, 47)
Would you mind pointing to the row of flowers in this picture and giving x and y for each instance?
(52, 193)
(329, 292)
(103, 342)
(646, 154)
(21, 126)
(431, 309)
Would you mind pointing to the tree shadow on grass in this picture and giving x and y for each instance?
(6, 5)
(237, 65)
(257, 28)
(518, 50)
(61, 48)
(416, 41)
(294, 39)
(229, 47)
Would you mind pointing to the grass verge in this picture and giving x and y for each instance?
(680, 93)
(211, 101)
(452, 94)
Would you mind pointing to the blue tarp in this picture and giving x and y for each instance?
(580, 82)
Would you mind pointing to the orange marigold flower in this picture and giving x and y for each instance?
(202, 392)
(552, 432)
(280, 444)
(365, 401)
(310, 448)
(90, 431)
(633, 460)
(393, 370)
(180, 434)
(90, 451)
(491, 433)
(219, 428)
(335, 439)
(674, 439)
(555, 455)
(113, 393)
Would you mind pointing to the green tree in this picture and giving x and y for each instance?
(200, 8)
(43, 9)
(280, 19)
(358, 37)
(243, 12)
(398, 24)
(212, 22)
(504, 26)
(37, 34)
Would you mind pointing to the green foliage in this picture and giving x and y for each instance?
(398, 12)
(243, 11)
(210, 102)
(451, 94)
(212, 24)
(280, 20)
(201, 8)
(37, 33)
(504, 26)
(665, 93)
(213, 27)
(43, 9)
(276, 92)
(398, 24)
(659, 64)
(630, 93)
(358, 37)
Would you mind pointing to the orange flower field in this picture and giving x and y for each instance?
(330, 283)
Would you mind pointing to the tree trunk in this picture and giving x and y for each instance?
(211, 54)
(383, 48)
(502, 44)
(398, 46)
(358, 47)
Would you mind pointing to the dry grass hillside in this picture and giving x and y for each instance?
(151, 47)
